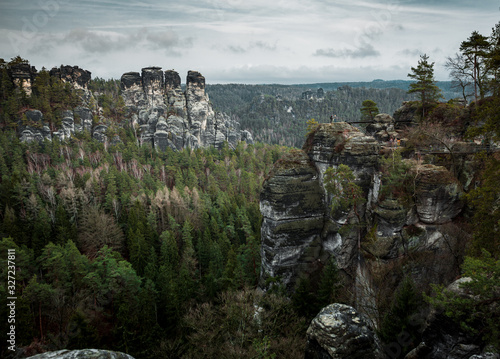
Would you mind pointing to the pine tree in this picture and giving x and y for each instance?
(475, 49)
(369, 110)
(424, 85)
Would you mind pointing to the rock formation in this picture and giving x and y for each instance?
(164, 114)
(77, 77)
(300, 233)
(22, 76)
(339, 332)
(82, 354)
(169, 117)
(382, 127)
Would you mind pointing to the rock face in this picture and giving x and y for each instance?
(168, 117)
(382, 127)
(298, 232)
(23, 76)
(77, 77)
(83, 354)
(293, 210)
(340, 332)
(36, 129)
(438, 195)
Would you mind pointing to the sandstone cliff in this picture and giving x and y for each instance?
(299, 231)
(167, 116)
(164, 114)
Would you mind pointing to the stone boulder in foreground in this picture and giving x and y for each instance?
(82, 354)
(340, 332)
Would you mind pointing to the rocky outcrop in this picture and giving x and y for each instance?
(439, 196)
(77, 77)
(23, 76)
(382, 127)
(293, 209)
(406, 115)
(340, 332)
(82, 354)
(33, 128)
(299, 232)
(169, 117)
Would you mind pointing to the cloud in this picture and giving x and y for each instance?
(366, 50)
(95, 42)
(108, 41)
(253, 45)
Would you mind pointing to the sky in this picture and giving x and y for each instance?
(244, 41)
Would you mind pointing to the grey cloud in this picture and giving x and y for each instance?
(411, 52)
(236, 49)
(105, 42)
(261, 45)
(367, 50)
(91, 41)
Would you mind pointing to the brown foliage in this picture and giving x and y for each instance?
(98, 229)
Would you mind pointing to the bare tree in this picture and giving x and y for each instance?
(98, 229)
(461, 75)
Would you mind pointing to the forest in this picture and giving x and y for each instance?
(157, 254)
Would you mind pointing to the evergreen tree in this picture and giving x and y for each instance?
(369, 110)
(475, 49)
(424, 85)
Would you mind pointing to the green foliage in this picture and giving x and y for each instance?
(369, 110)
(340, 184)
(399, 320)
(316, 292)
(478, 311)
(395, 176)
(424, 85)
(486, 219)
(278, 114)
(312, 125)
(244, 326)
(128, 251)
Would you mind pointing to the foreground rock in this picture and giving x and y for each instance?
(82, 354)
(340, 332)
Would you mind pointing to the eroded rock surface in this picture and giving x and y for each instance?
(293, 209)
(299, 232)
(438, 195)
(340, 332)
(83, 354)
(169, 117)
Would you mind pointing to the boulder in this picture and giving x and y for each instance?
(339, 331)
(82, 354)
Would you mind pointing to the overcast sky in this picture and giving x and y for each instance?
(244, 41)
